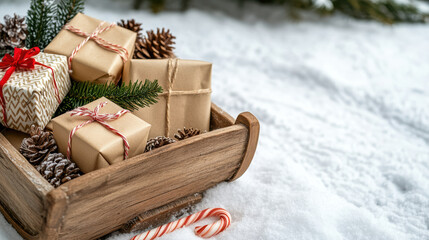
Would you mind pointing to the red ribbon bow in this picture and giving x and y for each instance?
(100, 118)
(22, 60)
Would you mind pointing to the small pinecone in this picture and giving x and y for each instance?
(57, 169)
(158, 142)
(155, 45)
(132, 25)
(187, 133)
(13, 32)
(37, 147)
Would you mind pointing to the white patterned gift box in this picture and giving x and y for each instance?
(30, 96)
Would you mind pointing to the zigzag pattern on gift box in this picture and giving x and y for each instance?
(30, 94)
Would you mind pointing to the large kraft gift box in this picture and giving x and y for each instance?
(94, 146)
(92, 62)
(189, 83)
(30, 95)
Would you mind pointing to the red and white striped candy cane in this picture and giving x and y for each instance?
(123, 52)
(206, 231)
(100, 118)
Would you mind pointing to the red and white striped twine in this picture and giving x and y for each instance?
(100, 118)
(123, 52)
(206, 231)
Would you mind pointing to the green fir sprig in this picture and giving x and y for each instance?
(66, 10)
(128, 96)
(386, 11)
(45, 18)
(39, 22)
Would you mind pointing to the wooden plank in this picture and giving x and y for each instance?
(159, 216)
(14, 137)
(219, 118)
(252, 123)
(107, 198)
(56, 202)
(15, 224)
(22, 190)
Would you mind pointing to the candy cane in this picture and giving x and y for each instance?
(206, 231)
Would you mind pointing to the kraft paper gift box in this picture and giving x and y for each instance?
(190, 97)
(92, 62)
(94, 146)
(30, 96)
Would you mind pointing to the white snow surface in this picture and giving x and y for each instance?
(343, 108)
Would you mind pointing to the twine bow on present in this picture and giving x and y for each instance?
(22, 60)
(102, 119)
(123, 52)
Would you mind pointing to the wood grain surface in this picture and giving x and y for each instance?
(147, 188)
(219, 118)
(252, 123)
(122, 191)
(22, 189)
(159, 216)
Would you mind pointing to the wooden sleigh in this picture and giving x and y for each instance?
(140, 192)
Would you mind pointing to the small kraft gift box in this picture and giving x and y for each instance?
(100, 134)
(96, 50)
(32, 86)
(186, 99)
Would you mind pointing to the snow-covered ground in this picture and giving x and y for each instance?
(344, 112)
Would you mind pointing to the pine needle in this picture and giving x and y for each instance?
(39, 22)
(128, 96)
(66, 10)
(45, 19)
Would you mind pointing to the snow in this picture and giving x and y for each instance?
(342, 103)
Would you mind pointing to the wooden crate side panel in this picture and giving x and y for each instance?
(101, 201)
(159, 216)
(56, 201)
(22, 190)
(219, 118)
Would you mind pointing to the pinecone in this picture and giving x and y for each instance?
(57, 169)
(13, 32)
(155, 45)
(187, 133)
(158, 142)
(37, 147)
(132, 25)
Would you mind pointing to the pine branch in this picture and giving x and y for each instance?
(387, 11)
(128, 96)
(157, 5)
(66, 10)
(39, 22)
